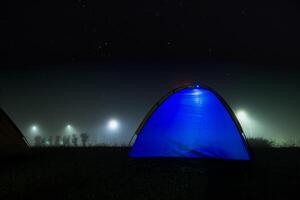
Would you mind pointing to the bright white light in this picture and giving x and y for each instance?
(69, 129)
(196, 92)
(247, 122)
(34, 128)
(241, 115)
(113, 125)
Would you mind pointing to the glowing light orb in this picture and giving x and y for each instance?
(113, 125)
(34, 128)
(69, 129)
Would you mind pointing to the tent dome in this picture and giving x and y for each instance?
(11, 139)
(191, 121)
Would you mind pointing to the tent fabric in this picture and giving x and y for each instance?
(11, 139)
(192, 122)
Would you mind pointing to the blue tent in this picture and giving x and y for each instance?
(194, 122)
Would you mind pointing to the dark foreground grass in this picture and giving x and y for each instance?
(108, 173)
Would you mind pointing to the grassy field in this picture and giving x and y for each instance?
(108, 173)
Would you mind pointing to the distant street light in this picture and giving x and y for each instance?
(241, 115)
(34, 129)
(69, 129)
(113, 125)
(245, 121)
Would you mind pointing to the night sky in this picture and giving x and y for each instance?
(84, 62)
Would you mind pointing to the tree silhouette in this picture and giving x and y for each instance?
(84, 137)
(38, 140)
(260, 142)
(74, 140)
(66, 140)
(50, 140)
(44, 140)
(57, 141)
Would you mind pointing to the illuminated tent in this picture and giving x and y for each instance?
(11, 139)
(193, 122)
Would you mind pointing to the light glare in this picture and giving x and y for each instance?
(34, 128)
(113, 124)
(241, 115)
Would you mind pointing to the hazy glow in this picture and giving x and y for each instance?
(113, 124)
(241, 115)
(247, 122)
(34, 129)
(69, 129)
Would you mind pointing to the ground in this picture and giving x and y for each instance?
(108, 173)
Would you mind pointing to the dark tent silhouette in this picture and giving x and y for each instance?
(12, 140)
(191, 121)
